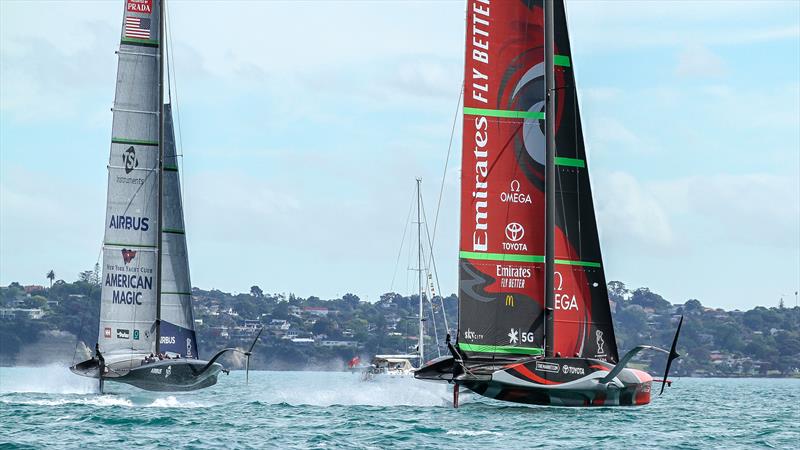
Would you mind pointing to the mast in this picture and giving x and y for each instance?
(550, 176)
(162, 38)
(421, 345)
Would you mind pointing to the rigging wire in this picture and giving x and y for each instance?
(78, 338)
(174, 80)
(446, 161)
(433, 266)
(402, 241)
(432, 238)
(430, 306)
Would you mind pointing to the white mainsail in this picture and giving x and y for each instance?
(177, 321)
(128, 301)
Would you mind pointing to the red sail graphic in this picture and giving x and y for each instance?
(501, 263)
(502, 180)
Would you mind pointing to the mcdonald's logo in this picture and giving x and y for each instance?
(510, 300)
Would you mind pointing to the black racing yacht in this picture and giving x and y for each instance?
(147, 337)
(535, 322)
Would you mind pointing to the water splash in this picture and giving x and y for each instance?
(52, 379)
(331, 410)
(173, 402)
(473, 433)
(103, 400)
(379, 392)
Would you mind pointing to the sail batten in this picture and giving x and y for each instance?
(507, 113)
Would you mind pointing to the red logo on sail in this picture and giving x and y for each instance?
(140, 6)
(107, 333)
(128, 255)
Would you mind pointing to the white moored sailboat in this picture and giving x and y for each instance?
(400, 365)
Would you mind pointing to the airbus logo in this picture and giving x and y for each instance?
(514, 232)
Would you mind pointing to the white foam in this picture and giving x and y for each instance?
(323, 391)
(105, 400)
(474, 433)
(173, 402)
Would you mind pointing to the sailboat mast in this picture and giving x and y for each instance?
(161, 38)
(419, 272)
(550, 177)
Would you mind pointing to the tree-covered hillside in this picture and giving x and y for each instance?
(324, 334)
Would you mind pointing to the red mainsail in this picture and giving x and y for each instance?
(501, 264)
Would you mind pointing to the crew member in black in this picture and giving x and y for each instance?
(99, 356)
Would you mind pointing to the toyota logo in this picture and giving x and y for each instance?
(514, 232)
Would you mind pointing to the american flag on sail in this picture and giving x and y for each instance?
(137, 27)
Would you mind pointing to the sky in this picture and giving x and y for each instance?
(304, 124)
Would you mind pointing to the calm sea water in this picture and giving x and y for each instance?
(49, 407)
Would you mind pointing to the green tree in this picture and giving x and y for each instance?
(755, 319)
(10, 342)
(281, 311)
(788, 343)
(351, 300)
(325, 326)
(38, 301)
(51, 275)
(87, 276)
(647, 299)
(693, 306)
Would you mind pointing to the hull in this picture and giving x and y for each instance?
(389, 366)
(373, 374)
(173, 375)
(548, 381)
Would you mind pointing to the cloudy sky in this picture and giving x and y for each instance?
(304, 124)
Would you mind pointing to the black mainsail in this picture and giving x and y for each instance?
(582, 319)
